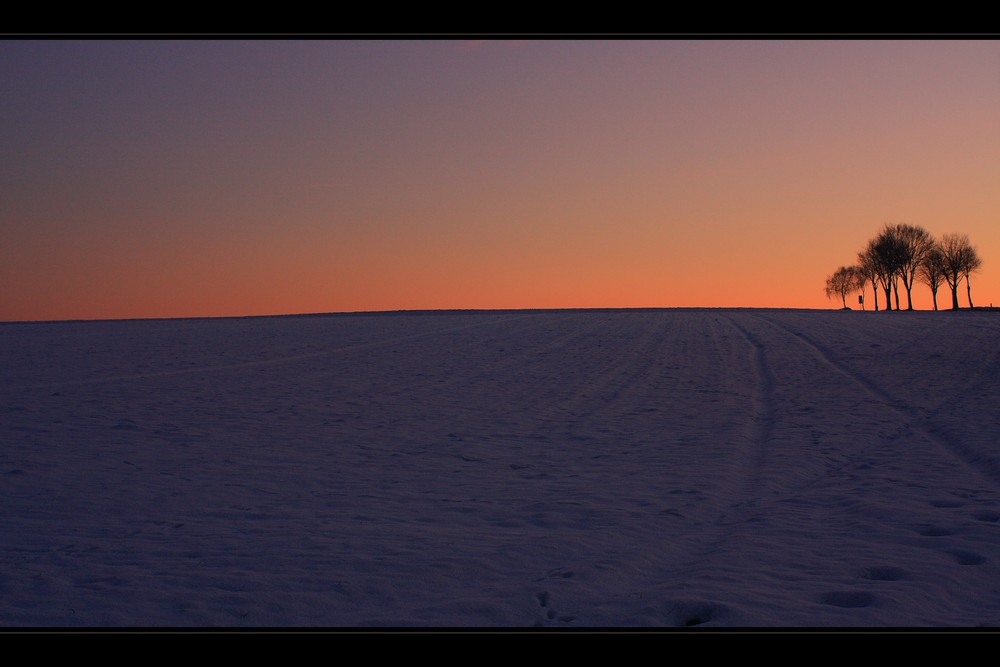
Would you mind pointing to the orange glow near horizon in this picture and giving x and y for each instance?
(194, 179)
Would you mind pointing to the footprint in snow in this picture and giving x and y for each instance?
(544, 598)
(692, 613)
(848, 599)
(966, 557)
(885, 573)
(947, 503)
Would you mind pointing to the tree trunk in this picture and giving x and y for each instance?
(968, 288)
(934, 294)
(888, 298)
(895, 287)
(954, 296)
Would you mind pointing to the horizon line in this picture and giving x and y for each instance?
(457, 311)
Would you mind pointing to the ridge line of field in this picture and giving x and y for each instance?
(264, 362)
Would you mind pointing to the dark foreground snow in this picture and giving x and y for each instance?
(498, 469)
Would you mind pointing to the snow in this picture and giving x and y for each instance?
(570, 469)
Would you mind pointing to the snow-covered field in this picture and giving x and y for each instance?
(503, 469)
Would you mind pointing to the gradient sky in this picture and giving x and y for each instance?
(214, 178)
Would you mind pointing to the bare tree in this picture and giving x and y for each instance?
(931, 271)
(971, 262)
(911, 245)
(959, 259)
(886, 252)
(844, 280)
(902, 252)
(868, 271)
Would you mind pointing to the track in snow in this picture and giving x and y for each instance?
(602, 468)
(987, 464)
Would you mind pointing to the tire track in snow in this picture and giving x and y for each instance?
(533, 352)
(764, 410)
(597, 411)
(780, 500)
(262, 362)
(580, 400)
(601, 390)
(987, 467)
(736, 495)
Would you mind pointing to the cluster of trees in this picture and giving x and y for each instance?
(903, 253)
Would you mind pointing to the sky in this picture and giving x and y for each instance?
(193, 178)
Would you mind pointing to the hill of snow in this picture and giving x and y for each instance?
(716, 468)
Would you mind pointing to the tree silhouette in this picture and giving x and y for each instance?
(971, 262)
(844, 280)
(903, 252)
(931, 271)
(959, 259)
(886, 252)
(868, 271)
(910, 245)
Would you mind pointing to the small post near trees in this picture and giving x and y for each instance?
(908, 253)
(844, 280)
(868, 271)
